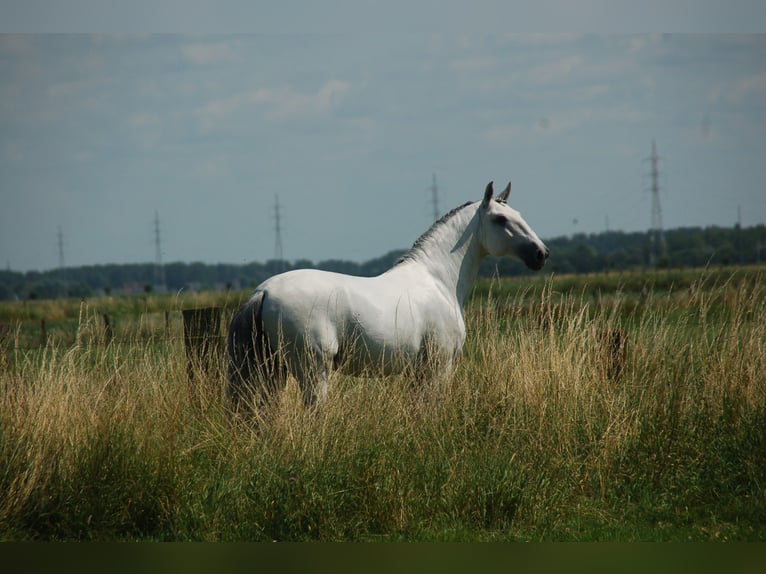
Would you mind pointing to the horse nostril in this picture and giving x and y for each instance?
(541, 255)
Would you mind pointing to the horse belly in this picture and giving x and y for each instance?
(365, 352)
(379, 338)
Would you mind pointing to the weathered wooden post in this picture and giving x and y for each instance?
(615, 346)
(202, 339)
(43, 334)
(108, 332)
(203, 342)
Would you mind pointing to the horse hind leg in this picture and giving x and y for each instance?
(253, 366)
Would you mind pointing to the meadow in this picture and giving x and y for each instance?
(621, 406)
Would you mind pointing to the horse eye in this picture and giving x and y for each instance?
(499, 219)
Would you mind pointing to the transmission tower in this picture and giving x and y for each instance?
(159, 269)
(434, 197)
(657, 246)
(61, 247)
(277, 230)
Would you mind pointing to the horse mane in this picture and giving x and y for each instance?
(417, 247)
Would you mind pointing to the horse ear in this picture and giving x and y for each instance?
(488, 193)
(506, 193)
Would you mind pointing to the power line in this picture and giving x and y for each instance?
(434, 197)
(739, 233)
(61, 247)
(159, 269)
(657, 245)
(278, 254)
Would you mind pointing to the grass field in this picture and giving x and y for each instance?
(610, 407)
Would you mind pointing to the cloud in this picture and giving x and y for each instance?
(143, 120)
(504, 134)
(472, 64)
(544, 39)
(739, 90)
(202, 54)
(557, 70)
(210, 168)
(750, 86)
(565, 121)
(644, 42)
(16, 44)
(281, 103)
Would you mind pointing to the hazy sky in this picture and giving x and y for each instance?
(99, 131)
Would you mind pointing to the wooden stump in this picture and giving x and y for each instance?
(202, 339)
(204, 344)
(615, 343)
(108, 331)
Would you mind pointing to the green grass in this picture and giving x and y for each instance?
(537, 437)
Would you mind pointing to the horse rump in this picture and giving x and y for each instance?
(252, 363)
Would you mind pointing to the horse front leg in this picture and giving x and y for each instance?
(433, 370)
(313, 376)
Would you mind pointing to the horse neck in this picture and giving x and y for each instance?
(453, 253)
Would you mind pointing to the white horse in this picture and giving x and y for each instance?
(309, 323)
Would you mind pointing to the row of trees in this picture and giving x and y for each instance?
(581, 253)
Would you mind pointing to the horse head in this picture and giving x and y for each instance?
(504, 233)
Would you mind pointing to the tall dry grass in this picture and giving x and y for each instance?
(545, 431)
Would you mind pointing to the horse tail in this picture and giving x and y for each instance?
(247, 348)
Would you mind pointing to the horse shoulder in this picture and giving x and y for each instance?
(444, 317)
(436, 313)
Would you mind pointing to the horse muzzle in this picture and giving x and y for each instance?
(535, 256)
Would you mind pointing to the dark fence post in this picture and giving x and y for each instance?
(108, 332)
(43, 334)
(202, 339)
(615, 344)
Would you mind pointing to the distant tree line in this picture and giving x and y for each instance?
(581, 253)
